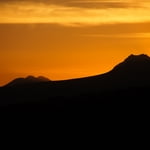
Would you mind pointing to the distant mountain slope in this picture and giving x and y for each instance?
(27, 80)
(134, 71)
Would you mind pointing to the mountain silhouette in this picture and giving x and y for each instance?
(134, 64)
(134, 70)
(127, 84)
(27, 80)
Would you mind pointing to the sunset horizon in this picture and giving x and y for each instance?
(63, 39)
(25, 76)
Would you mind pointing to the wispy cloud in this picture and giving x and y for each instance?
(32, 12)
(125, 35)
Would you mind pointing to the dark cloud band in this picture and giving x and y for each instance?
(82, 3)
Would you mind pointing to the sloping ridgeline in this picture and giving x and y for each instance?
(125, 86)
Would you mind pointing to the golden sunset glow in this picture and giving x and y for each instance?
(63, 39)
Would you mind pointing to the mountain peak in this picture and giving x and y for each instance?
(39, 78)
(42, 78)
(140, 57)
(28, 80)
(134, 64)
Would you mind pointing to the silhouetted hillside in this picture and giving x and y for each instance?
(128, 84)
(134, 64)
(27, 80)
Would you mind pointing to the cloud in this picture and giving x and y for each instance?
(125, 35)
(84, 3)
(33, 12)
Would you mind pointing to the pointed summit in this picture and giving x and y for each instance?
(141, 57)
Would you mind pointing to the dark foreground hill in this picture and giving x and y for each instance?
(124, 87)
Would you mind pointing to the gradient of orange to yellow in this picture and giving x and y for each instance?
(64, 39)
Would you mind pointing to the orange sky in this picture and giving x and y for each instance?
(63, 40)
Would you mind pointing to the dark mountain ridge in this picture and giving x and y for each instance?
(27, 80)
(138, 65)
(127, 83)
(134, 64)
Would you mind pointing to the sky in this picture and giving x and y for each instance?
(63, 39)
